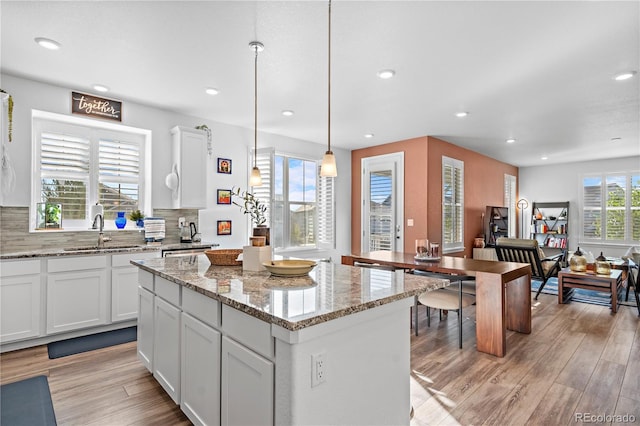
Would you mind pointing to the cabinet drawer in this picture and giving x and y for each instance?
(124, 259)
(202, 307)
(76, 263)
(19, 267)
(249, 331)
(145, 279)
(168, 291)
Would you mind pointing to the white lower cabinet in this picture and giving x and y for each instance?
(200, 371)
(166, 347)
(124, 285)
(79, 296)
(20, 300)
(145, 328)
(247, 386)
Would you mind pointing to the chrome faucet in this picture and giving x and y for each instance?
(101, 237)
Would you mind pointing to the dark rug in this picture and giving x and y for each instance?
(94, 341)
(27, 402)
(586, 296)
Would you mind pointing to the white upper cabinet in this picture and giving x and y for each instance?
(189, 154)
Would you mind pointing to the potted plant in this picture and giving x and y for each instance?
(137, 216)
(256, 210)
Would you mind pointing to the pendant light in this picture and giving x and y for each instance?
(328, 167)
(256, 178)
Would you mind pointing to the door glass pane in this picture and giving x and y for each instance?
(381, 210)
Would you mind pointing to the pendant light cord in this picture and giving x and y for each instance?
(329, 86)
(255, 110)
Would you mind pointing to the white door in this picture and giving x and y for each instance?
(383, 202)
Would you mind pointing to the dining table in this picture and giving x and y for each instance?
(503, 291)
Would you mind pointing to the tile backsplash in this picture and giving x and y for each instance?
(15, 235)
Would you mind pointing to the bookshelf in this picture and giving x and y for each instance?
(496, 224)
(550, 226)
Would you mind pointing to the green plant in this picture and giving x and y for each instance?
(250, 205)
(52, 214)
(136, 215)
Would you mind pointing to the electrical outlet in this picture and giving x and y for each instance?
(181, 222)
(318, 369)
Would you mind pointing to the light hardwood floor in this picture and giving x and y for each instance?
(579, 359)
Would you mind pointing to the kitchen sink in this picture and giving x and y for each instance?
(107, 247)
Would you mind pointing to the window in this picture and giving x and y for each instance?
(452, 205)
(302, 208)
(81, 163)
(611, 208)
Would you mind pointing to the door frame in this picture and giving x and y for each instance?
(397, 158)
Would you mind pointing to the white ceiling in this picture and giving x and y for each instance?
(540, 72)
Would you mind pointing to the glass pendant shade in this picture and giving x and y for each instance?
(256, 178)
(328, 167)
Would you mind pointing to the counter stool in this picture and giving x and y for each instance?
(445, 299)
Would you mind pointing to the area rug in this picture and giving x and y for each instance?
(91, 342)
(27, 402)
(585, 296)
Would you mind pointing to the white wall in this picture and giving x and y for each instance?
(563, 182)
(228, 141)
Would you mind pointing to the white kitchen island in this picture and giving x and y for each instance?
(234, 347)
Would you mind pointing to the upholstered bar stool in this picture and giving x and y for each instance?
(445, 299)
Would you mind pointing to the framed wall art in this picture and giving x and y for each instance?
(224, 165)
(224, 227)
(224, 196)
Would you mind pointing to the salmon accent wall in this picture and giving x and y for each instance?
(483, 186)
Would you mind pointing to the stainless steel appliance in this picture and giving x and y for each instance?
(188, 250)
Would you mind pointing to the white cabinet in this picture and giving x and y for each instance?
(79, 296)
(124, 285)
(189, 151)
(166, 346)
(20, 300)
(200, 371)
(145, 328)
(247, 381)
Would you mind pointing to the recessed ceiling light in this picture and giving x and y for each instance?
(386, 74)
(544, 157)
(616, 139)
(287, 113)
(100, 88)
(624, 75)
(511, 140)
(462, 114)
(47, 43)
(368, 135)
(211, 91)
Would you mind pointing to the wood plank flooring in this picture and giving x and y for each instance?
(579, 359)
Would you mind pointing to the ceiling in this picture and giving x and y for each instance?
(540, 72)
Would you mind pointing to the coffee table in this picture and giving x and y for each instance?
(591, 281)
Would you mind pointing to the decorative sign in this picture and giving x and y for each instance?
(84, 104)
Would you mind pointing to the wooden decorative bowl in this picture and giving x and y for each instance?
(224, 257)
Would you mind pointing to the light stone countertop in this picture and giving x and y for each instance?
(109, 248)
(329, 291)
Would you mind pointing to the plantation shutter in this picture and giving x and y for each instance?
(118, 175)
(592, 207)
(452, 204)
(615, 191)
(264, 161)
(64, 172)
(326, 212)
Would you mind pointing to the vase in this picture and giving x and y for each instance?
(121, 221)
(262, 231)
(478, 242)
(577, 262)
(140, 223)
